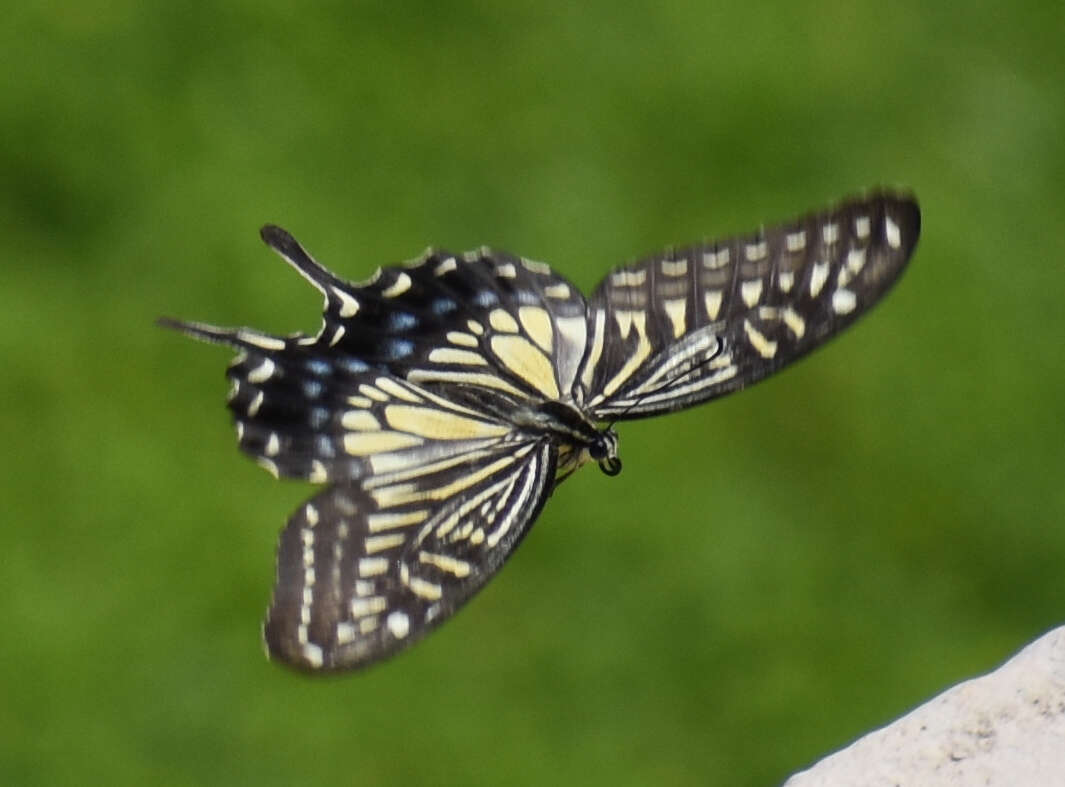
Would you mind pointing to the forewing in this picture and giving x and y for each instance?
(366, 569)
(503, 325)
(693, 324)
(471, 336)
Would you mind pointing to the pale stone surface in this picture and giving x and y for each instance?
(1006, 728)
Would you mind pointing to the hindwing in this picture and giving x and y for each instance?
(364, 570)
(683, 327)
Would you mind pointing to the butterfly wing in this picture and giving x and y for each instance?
(366, 569)
(687, 326)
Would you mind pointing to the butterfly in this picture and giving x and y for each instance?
(443, 400)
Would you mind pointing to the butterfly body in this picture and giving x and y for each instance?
(442, 401)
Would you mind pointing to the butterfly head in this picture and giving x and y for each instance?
(605, 451)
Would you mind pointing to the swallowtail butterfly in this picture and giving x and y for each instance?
(443, 400)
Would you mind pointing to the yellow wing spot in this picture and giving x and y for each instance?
(639, 355)
(536, 267)
(795, 323)
(785, 280)
(597, 348)
(761, 345)
(434, 424)
(892, 233)
(462, 378)
(423, 588)
(462, 338)
(463, 357)
(446, 266)
(373, 393)
(374, 544)
(262, 372)
(367, 443)
(676, 310)
(349, 307)
(393, 388)
(795, 241)
(359, 421)
(523, 358)
(712, 302)
(714, 260)
(856, 260)
(830, 233)
(624, 320)
(460, 568)
(507, 271)
(628, 278)
(398, 624)
(537, 323)
(756, 251)
(318, 474)
(378, 522)
(361, 607)
(400, 286)
(751, 291)
(475, 327)
(372, 566)
(360, 401)
(818, 277)
(501, 320)
(861, 226)
(844, 301)
(338, 334)
(675, 267)
(259, 340)
(273, 445)
(559, 291)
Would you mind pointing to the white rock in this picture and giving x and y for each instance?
(1006, 728)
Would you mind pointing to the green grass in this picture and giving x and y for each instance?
(771, 576)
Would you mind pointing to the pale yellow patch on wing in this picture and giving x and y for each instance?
(761, 345)
(378, 522)
(460, 337)
(676, 310)
(434, 424)
(373, 393)
(367, 443)
(349, 307)
(460, 568)
(537, 323)
(400, 286)
(751, 291)
(597, 348)
(712, 302)
(501, 320)
(675, 267)
(380, 543)
(463, 357)
(639, 355)
(393, 388)
(359, 421)
(526, 361)
(795, 323)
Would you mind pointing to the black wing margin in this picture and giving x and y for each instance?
(693, 324)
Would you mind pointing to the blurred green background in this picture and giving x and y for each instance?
(772, 575)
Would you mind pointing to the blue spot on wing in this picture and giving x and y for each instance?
(400, 321)
(486, 298)
(394, 349)
(443, 306)
(352, 365)
(319, 367)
